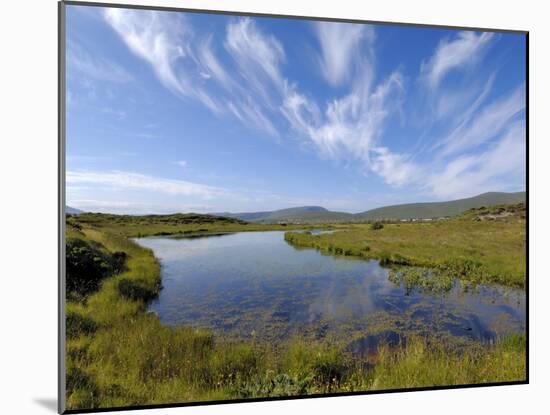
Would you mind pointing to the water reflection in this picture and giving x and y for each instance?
(254, 283)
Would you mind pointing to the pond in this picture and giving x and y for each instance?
(254, 284)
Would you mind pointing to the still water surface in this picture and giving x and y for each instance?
(250, 284)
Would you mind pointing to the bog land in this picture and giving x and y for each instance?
(118, 353)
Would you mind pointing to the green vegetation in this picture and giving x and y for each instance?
(422, 364)
(427, 280)
(118, 354)
(441, 209)
(87, 264)
(304, 214)
(485, 245)
(376, 225)
(317, 214)
(162, 225)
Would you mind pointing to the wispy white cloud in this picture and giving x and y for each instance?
(122, 192)
(396, 169)
(212, 68)
(464, 50)
(502, 166)
(181, 163)
(488, 123)
(250, 113)
(257, 55)
(242, 76)
(187, 64)
(457, 105)
(484, 152)
(109, 205)
(341, 48)
(163, 39)
(481, 148)
(350, 126)
(94, 67)
(137, 181)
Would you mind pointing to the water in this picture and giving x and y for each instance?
(254, 284)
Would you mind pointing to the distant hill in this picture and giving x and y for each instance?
(73, 211)
(308, 214)
(441, 209)
(173, 218)
(318, 214)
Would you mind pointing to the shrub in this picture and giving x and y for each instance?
(87, 265)
(387, 259)
(384, 259)
(376, 225)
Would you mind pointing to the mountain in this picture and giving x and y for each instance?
(308, 214)
(440, 209)
(73, 211)
(318, 214)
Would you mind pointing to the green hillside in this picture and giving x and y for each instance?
(309, 214)
(441, 209)
(313, 217)
(317, 214)
(306, 214)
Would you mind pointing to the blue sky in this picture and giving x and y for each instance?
(180, 112)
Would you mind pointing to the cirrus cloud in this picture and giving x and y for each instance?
(342, 44)
(130, 180)
(241, 75)
(464, 50)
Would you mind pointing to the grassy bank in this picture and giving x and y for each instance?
(482, 245)
(118, 354)
(185, 224)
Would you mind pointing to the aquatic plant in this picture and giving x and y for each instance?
(119, 355)
(422, 279)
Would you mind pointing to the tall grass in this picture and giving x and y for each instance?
(139, 361)
(423, 364)
(463, 248)
(119, 355)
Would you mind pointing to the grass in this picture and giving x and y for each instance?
(161, 225)
(118, 354)
(467, 247)
(422, 364)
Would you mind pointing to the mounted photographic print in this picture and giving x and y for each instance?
(256, 207)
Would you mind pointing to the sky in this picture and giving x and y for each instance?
(189, 112)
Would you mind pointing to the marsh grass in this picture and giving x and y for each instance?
(118, 354)
(177, 224)
(487, 251)
(142, 362)
(422, 279)
(424, 364)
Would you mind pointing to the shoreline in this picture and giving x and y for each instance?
(122, 355)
